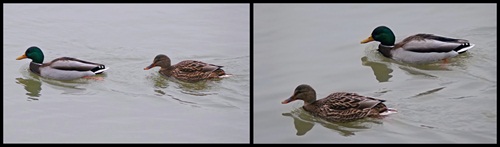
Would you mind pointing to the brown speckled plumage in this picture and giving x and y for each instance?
(187, 70)
(339, 106)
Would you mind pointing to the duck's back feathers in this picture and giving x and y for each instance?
(346, 100)
(426, 43)
(69, 63)
(343, 106)
(194, 66)
(192, 70)
(423, 36)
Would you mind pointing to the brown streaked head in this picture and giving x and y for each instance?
(160, 60)
(302, 92)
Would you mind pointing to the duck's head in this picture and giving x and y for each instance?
(383, 35)
(160, 60)
(34, 53)
(302, 92)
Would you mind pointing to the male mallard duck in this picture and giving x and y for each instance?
(64, 68)
(187, 70)
(339, 106)
(419, 48)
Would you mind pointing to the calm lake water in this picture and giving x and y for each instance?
(319, 44)
(130, 104)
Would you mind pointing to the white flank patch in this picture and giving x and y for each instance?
(467, 48)
(225, 76)
(102, 70)
(389, 111)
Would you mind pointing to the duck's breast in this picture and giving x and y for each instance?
(67, 63)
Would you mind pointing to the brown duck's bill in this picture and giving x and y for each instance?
(369, 39)
(288, 100)
(21, 57)
(149, 67)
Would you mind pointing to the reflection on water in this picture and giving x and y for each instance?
(200, 88)
(382, 69)
(33, 84)
(159, 83)
(429, 91)
(304, 122)
(413, 71)
(301, 126)
(33, 87)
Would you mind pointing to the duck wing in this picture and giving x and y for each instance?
(343, 106)
(429, 43)
(69, 63)
(345, 100)
(196, 66)
(211, 67)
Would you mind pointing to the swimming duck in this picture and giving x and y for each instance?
(63, 68)
(339, 106)
(187, 70)
(419, 48)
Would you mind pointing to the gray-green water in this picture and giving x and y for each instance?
(319, 44)
(130, 104)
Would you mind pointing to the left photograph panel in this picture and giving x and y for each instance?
(126, 73)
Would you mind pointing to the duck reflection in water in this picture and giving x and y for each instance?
(33, 84)
(304, 122)
(383, 72)
(380, 70)
(33, 87)
(199, 88)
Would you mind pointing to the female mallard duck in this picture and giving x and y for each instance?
(187, 70)
(64, 68)
(419, 48)
(339, 106)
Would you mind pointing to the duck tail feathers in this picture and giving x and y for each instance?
(464, 47)
(99, 69)
(389, 111)
(225, 76)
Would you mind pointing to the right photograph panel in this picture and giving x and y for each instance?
(374, 73)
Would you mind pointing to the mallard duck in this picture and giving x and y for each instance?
(419, 48)
(63, 68)
(187, 70)
(339, 106)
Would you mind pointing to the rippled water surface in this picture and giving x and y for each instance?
(130, 104)
(319, 45)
